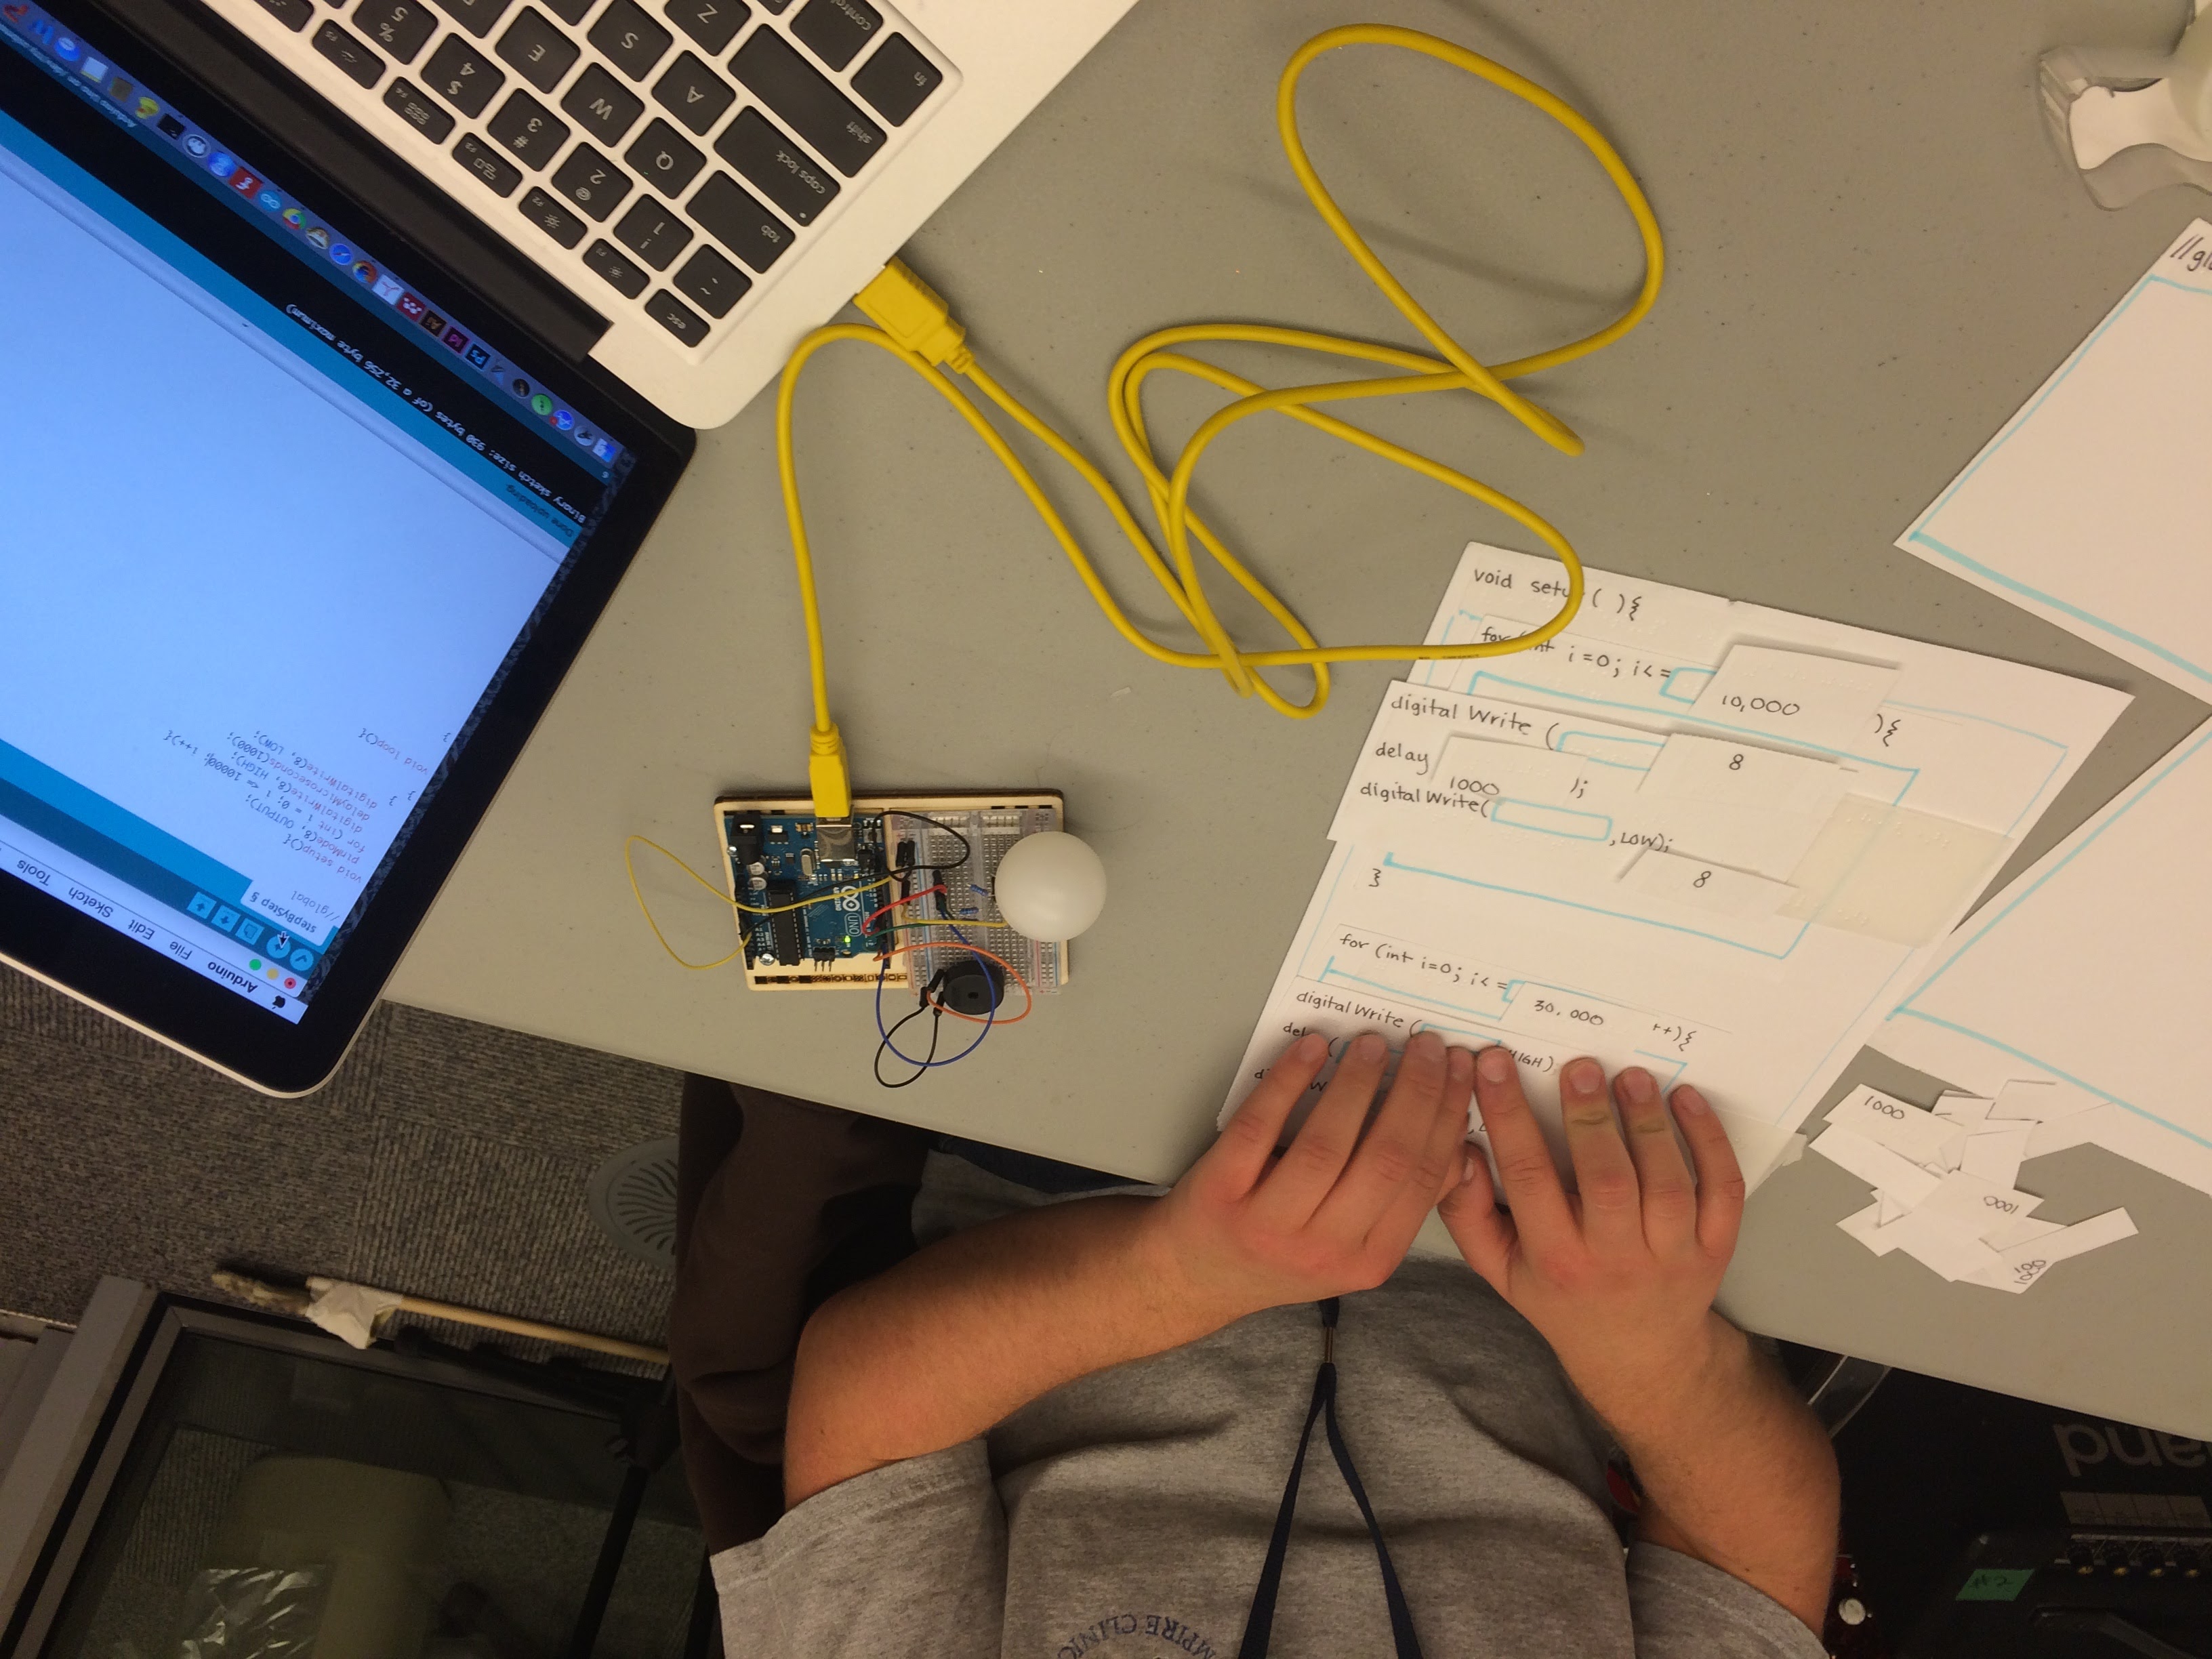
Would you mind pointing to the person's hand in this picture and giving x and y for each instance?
(1246, 1229)
(1619, 1279)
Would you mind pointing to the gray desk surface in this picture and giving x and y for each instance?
(1874, 255)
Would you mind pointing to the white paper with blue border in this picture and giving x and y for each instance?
(2093, 507)
(2093, 970)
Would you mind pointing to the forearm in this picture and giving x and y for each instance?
(959, 1335)
(964, 1333)
(1736, 1472)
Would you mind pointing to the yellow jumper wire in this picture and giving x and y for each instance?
(631, 843)
(915, 326)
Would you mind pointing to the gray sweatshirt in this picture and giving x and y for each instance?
(1127, 1514)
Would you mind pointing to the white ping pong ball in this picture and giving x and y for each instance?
(1050, 886)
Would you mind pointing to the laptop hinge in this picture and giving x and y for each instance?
(261, 93)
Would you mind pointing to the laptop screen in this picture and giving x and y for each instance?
(278, 521)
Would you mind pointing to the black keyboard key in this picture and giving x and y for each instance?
(679, 319)
(666, 161)
(713, 23)
(499, 173)
(541, 54)
(606, 108)
(592, 182)
(652, 233)
(476, 16)
(525, 126)
(837, 29)
(802, 94)
(627, 277)
(400, 26)
(897, 80)
(406, 99)
(778, 169)
(631, 39)
(779, 7)
(729, 213)
(711, 283)
(460, 77)
(362, 67)
(549, 216)
(569, 12)
(693, 93)
(294, 15)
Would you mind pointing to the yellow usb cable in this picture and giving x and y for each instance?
(913, 324)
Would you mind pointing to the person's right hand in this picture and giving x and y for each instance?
(1619, 1279)
(1247, 1229)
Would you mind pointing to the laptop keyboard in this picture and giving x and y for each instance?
(675, 149)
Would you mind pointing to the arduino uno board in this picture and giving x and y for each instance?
(779, 862)
(832, 888)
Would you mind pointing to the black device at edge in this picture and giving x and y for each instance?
(244, 99)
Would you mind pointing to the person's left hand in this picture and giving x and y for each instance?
(1621, 1278)
(1245, 1229)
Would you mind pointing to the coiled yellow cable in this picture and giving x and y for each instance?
(915, 326)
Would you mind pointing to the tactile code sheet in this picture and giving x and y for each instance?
(1716, 840)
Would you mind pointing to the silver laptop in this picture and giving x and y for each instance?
(714, 178)
(355, 346)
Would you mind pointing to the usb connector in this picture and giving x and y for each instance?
(911, 312)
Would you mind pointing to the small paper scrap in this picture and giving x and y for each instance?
(1995, 1155)
(1705, 885)
(1906, 1130)
(2023, 1264)
(1879, 1167)
(1937, 1242)
(1984, 1206)
(2082, 1129)
(1972, 1110)
(1795, 695)
(1865, 1226)
(2043, 1100)
(1943, 1181)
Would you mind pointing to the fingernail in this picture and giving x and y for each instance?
(1495, 1064)
(1689, 1103)
(1429, 1041)
(1310, 1047)
(1459, 1065)
(1370, 1047)
(1585, 1077)
(1467, 1170)
(1637, 1084)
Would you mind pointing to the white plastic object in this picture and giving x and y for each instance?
(2130, 120)
(1049, 885)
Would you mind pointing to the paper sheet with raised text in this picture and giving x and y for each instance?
(1715, 839)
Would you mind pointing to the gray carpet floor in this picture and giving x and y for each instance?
(447, 1159)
